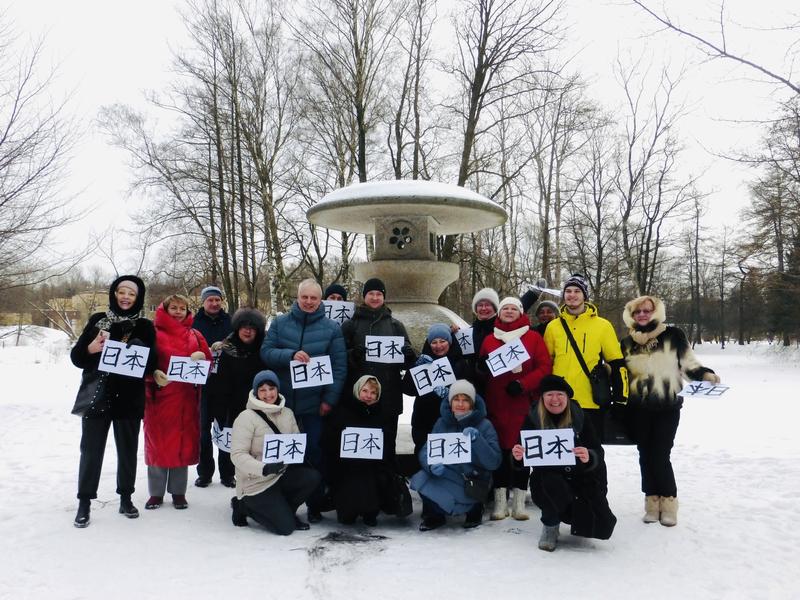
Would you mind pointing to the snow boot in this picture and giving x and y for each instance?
(239, 514)
(474, 517)
(518, 502)
(669, 511)
(300, 525)
(127, 508)
(652, 509)
(548, 540)
(179, 501)
(153, 502)
(432, 522)
(82, 518)
(500, 504)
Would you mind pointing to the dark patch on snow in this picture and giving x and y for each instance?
(352, 537)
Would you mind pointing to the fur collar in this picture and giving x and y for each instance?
(645, 335)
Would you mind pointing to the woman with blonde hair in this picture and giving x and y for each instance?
(658, 358)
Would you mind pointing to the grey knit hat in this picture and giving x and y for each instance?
(208, 291)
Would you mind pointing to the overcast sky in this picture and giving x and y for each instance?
(112, 52)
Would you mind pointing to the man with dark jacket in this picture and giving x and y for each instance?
(301, 334)
(215, 324)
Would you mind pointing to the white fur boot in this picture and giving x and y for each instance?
(669, 511)
(500, 504)
(518, 505)
(652, 508)
(548, 540)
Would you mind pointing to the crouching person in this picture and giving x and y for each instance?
(268, 493)
(444, 488)
(568, 494)
(362, 487)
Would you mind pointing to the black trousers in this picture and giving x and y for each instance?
(595, 416)
(654, 432)
(554, 495)
(94, 433)
(509, 475)
(275, 507)
(205, 468)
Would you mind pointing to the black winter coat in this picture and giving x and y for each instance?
(125, 395)
(367, 321)
(358, 486)
(227, 389)
(480, 329)
(589, 514)
(214, 328)
(426, 407)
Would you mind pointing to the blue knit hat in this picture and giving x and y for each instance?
(208, 291)
(439, 330)
(263, 377)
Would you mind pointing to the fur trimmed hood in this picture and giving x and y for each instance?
(659, 314)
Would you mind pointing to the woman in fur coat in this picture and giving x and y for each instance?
(658, 357)
(172, 409)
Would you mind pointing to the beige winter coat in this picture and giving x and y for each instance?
(247, 444)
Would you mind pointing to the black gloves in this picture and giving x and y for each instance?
(514, 388)
(272, 468)
(134, 342)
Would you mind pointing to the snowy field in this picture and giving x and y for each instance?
(736, 460)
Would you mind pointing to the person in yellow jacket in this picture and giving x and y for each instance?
(595, 336)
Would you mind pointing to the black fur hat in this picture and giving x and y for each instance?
(249, 317)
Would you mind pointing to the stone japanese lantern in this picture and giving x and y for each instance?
(405, 217)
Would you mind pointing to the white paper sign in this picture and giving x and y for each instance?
(316, 371)
(338, 310)
(215, 354)
(288, 448)
(361, 442)
(465, 340)
(384, 348)
(547, 447)
(221, 436)
(118, 358)
(449, 448)
(438, 373)
(701, 388)
(507, 357)
(186, 370)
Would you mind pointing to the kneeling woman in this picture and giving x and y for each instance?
(361, 487)
(269, 493)
(569, 494)
(442, 487)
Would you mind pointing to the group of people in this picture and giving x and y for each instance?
(251, 393)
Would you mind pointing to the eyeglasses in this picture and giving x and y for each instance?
(642, 311)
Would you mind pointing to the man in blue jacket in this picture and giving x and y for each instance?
(300, 334)
(215, 324)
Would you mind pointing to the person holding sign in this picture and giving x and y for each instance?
(444, 487)
(658, 357)
(569, 494)
(438, 344)
(374, 318)
(361, 487)
(484, 306)
(117, 399)
(227, 389)
(267, 492)
(172, 408)
(508, 398)
(335, 291)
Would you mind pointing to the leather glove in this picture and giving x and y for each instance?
(161, 378)
(423, 359)
(437, 469)
(471, 432)
(711, 377)
(272, 468)
(409, 355)
(217, 345)
(134, 342)
(197, 355)
(514, 388)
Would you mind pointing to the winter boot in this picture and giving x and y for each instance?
(548, 540)
(127, 508)
(300, 525)
(179, 501)
(500, 504)
(669, 511)
(474, 517)
(652, 508)
(154, 502)
(82, 518)
(239, 515)
(518, 505)
(432, 522)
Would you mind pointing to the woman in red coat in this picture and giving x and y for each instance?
(172, 409)
(508, 400)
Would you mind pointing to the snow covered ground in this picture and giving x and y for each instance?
(736, 459)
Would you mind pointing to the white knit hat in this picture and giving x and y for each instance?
(486, 294)
(511, 300)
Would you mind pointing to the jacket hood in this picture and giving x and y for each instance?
(659, 314)
(137, 305)
(591, 311)
(478, 413)
(163, 321)
(254, 403)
